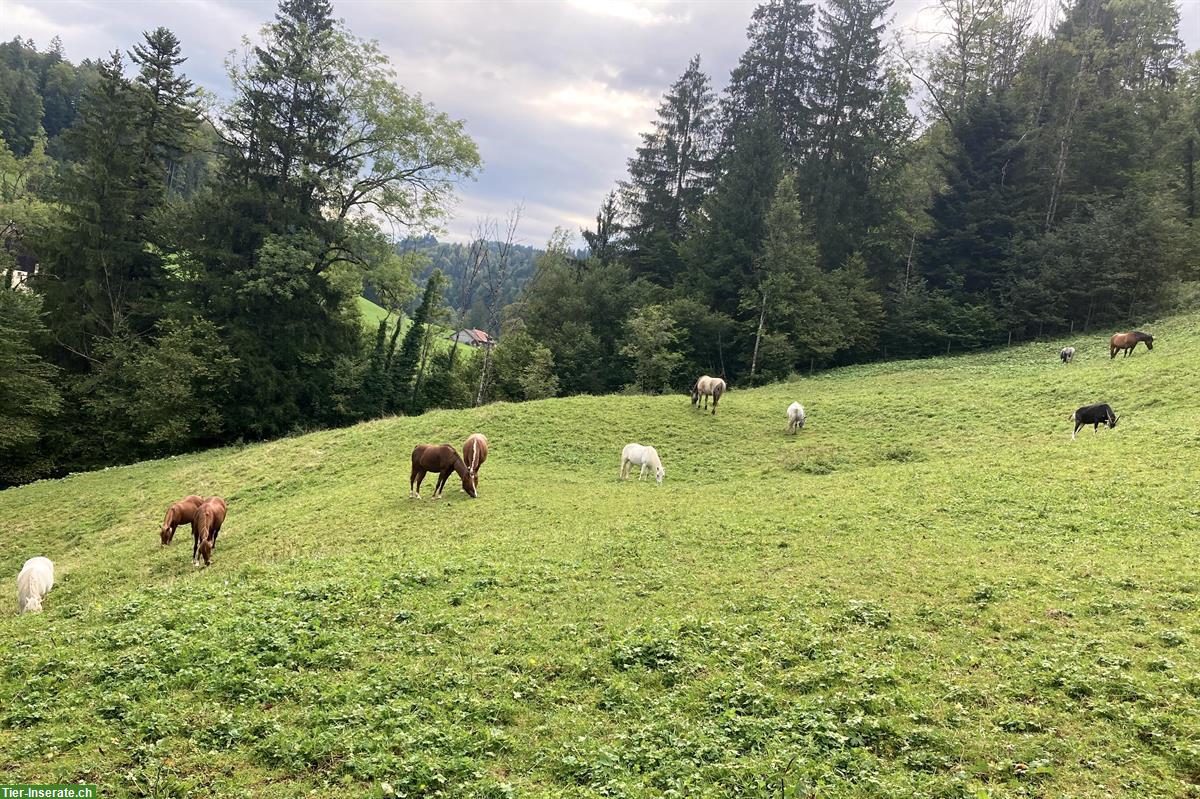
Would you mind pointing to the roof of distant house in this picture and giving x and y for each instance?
(474, 334)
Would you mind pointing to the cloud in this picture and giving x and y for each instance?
(625, 10)
(554, 93)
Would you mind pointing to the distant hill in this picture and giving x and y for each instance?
(453, 259)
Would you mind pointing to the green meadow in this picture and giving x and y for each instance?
(931, 590)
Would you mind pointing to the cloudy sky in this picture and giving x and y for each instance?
(553, 91)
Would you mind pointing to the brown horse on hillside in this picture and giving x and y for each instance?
(440, 458)
(182, 512)
(1127, 342)
(475, 452)
(209, 518)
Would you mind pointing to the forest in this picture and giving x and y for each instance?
(183, 272)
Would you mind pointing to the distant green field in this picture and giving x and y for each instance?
(372, 314)
(930, 591)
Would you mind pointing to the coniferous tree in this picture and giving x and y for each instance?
(775, 76)
(29, 399)
(722, 253)
(168, 117)
(606, 242)
(981, 214)
(408, 360)
(670, 175)
(99, 280)
(859, 129)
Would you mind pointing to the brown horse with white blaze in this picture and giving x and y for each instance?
(475, 452)
(181, 512)
(1128, 342)
(209, 518)
(440, 458)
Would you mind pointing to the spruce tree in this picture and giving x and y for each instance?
(775, 75)
(722, 253)
(99, 281)
(670, 175)
(168, 117)
(859, 128)
(408, 359)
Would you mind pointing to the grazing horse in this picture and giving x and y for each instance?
(34, 581)
(475, 452)
(1067, 354)
(795, 417)
(182, 512)
(1128, 342)
(708, 387)
(646, 457)
(1095, 415)
(209, 518)
(440, 458)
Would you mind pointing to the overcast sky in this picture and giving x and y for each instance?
(554, 92)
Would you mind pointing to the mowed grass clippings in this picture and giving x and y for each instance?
(930, 591)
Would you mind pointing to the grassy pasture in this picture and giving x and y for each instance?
(930, 591)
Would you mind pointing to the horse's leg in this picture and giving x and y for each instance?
(420, 479)
(716, 399)
(412, 479)
(195, 546)
(642, 472)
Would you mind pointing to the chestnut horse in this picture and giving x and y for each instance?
(475, 452)
(708, 387)
(209, 518)
(440, 458)
(182, 512)
(1128, 342)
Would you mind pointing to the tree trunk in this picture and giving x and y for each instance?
(1190, 176)
(426, 348)
(762, 319)
(483, 375)
(392, 344)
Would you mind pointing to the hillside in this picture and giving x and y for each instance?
(931, 590)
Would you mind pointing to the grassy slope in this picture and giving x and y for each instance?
(930, 591)
(372, 314)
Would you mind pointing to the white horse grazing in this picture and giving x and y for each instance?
(706, 387)
(637, 455)
(795, 417)
(1067, 354)
(34, 582)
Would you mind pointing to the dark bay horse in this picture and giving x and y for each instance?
(182, 512)
(475, 452)
(708, 387)
(1127, 342)
(209, 518)
(440, 458)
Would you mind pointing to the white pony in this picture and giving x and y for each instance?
(1067, 354)
(795, 417)
(637, 455)
(34, 582)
